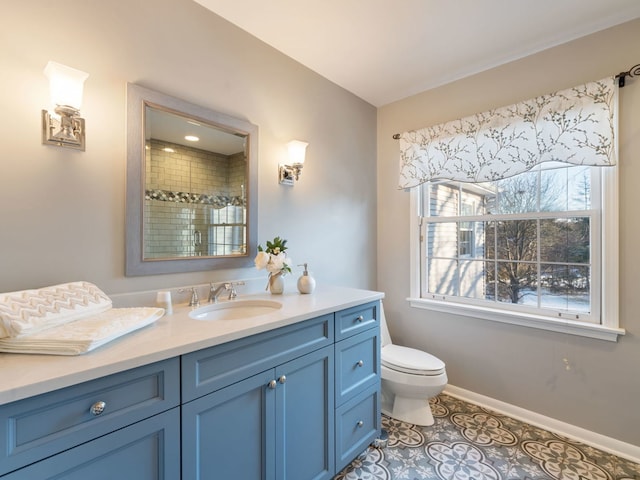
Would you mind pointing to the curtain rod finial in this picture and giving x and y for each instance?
(632, 72)
(396, 136)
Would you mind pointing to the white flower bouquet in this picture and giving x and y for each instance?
(274, 259)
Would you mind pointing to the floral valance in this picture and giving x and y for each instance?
(576, 126)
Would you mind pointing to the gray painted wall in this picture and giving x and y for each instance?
(519, 365)
(62, 211)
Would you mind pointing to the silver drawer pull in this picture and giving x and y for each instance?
(272, 384)
(282, 379)
(97, 408)
(360, 363)
(359, 319)
(360, 424)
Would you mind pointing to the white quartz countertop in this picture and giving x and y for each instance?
(24, 376)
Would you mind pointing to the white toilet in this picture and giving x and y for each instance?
(409, 378)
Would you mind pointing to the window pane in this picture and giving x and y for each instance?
(472, 278)
(518, 194)
(565, 240)
(443, 276)
(517, 240)
(441, 239)
(579, 188)
(489, 239)
(516, 282)
(565, 287)
(444, 199)
(491, 282)
(553, 190)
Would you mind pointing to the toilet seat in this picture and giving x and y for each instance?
(410, 360)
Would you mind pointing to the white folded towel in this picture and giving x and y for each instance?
(30, 311)
(83, 335)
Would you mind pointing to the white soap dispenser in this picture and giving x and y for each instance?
(306, 283)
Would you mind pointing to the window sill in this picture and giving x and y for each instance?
(540, 322)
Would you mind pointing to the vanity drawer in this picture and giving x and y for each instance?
(357, 364)
(41, 426)
(358, 424)
(357, 319)
(211, 369)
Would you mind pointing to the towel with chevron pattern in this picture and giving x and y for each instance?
(30, 311)
(85, 334)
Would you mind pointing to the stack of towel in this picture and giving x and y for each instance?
(67, 319)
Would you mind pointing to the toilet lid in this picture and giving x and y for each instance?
(410, 360)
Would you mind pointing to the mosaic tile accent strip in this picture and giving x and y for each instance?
(469, 442)
(217, 201)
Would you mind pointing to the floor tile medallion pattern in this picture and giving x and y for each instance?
(468, 442)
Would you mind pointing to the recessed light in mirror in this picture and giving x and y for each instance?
(191, 138)
(169, 150)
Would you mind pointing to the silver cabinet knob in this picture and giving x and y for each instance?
(359, 319)
(360, 424)
(360, 363)
(97, 408)
(282, 379)
(272, 384)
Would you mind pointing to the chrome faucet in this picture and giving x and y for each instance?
(214, 292)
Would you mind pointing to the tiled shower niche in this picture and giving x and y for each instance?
(194, 202)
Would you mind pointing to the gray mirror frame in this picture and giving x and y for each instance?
(137, 99)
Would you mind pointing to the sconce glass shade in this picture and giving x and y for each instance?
(64, 127)
(66, 84)
(291, 171)
(297, 150)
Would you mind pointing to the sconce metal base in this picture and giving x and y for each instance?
(65, 131)
(287, 174)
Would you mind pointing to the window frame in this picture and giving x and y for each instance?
(607, 329)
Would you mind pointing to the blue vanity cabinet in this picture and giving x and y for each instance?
(357, 350)
(89, 427)
(297, 402)
(276, 424)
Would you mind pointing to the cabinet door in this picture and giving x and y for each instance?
(305, 417)
(230, 433)
(147, 450)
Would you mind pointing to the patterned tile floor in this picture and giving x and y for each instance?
(468, 442)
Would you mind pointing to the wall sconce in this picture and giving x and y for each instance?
(64, 127)
(287, 173)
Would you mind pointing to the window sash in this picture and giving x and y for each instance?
(604, 218)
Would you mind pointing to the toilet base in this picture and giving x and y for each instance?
(411, 410)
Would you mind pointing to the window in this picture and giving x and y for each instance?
(531, 247)
(530, 236)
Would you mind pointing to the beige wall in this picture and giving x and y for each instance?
(519, 365)
(62, 211)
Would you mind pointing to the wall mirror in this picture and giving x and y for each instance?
(191, 186)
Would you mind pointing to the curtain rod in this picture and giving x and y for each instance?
(632, 72)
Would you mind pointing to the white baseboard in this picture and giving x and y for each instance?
(601, 442)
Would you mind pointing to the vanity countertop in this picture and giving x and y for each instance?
(176, 334)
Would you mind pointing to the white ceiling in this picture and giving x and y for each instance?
(384, 50)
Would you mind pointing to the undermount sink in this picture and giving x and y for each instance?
(235, 309)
